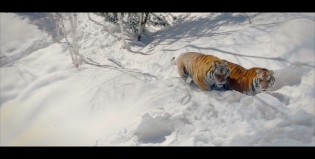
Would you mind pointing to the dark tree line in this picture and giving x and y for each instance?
(137, 22)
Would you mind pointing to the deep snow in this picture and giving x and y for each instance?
(45, 101)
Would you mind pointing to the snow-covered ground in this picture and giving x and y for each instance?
(46, 101)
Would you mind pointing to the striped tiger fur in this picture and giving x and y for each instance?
(206, 71)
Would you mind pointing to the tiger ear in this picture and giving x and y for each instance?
(213, 64)
(271, 72)
(225, 62)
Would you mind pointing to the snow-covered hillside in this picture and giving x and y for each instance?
(46, 101)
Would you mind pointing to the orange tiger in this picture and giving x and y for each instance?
(249, 81)
(206, 71)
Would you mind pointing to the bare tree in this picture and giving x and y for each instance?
(73, 24)
(140, 27)
(136, 22)
(98, 23)
(73, 44)
(124, 44)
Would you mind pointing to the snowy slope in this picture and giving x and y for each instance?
(45, 101)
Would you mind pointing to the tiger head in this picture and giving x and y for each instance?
(220, 72)
(264, 79)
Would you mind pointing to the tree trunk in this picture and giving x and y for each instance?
(73, 23)
(140, 27)
(124, 45)
(65, 36)
(144, 22)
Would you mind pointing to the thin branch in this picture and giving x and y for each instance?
(98, 23)
(250, 22)
(139, 52)
(260, 57)
(146, 76)
(115, 62)
(250, 56)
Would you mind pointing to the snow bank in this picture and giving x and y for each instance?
(45, 101)
(16, 33)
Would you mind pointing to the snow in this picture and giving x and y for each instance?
(46, 101)
(16, 32)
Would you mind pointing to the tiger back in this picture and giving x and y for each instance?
(206, 71)
(249, 81)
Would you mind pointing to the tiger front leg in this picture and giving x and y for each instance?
(201, 84)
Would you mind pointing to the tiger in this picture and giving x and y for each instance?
(249, 81)
(206, 71)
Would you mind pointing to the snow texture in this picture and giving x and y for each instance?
(46, 101)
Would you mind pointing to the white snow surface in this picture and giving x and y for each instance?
(46, 101)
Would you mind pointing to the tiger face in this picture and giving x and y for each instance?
(220, 73)
(264, 80)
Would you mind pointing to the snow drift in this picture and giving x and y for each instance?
(45, 101)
